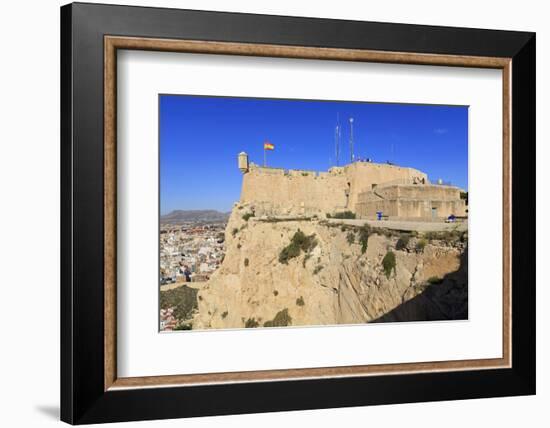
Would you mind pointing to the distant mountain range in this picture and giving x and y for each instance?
(181, 216)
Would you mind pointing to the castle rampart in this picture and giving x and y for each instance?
(294, 191)
(405, 201)
(364, 188)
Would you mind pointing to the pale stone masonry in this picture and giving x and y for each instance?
(364, 188)
(411, 201)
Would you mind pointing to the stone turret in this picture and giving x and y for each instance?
(243, 162)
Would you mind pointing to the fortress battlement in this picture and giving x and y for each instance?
(267, 170)
(352, 187)
(335, 170)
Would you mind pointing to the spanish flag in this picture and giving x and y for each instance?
(268, 146)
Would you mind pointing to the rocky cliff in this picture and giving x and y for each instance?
(306, 271)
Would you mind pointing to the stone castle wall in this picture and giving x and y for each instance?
(411, 201)
(363, 175)
(302, 191)
(294, 191)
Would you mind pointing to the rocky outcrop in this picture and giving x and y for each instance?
(332, 281)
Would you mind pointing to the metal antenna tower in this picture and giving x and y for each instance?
(351, 139)
(337, 135)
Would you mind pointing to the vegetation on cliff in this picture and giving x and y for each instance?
(402, 242)
(420, 245)
(251, 323)
(282, 319)
(183, 299)
(388, 263)
(364, 234)
(248, 216)
(342, 215)
(299, 242)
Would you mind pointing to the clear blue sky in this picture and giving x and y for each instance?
(200, 138)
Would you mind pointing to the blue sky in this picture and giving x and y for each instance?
(200, 138)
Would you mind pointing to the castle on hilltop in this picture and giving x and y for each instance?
(365, 188)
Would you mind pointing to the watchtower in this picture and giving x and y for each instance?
(243, 162)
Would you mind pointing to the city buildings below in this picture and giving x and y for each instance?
(168, 321)
(191, 251)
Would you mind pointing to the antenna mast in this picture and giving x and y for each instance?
(337, 134)
(351, 139)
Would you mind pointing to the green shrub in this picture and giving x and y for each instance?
(448, 236)
(420, 245)
(343, 215)
(251, 323)
(282, 319)
(289, 252)
(306, 243)
(317, 269)
(435, 280)
(300, 301)
(247, 216)
(224, 314)
(388, 233)
(402, 242)
(183, 299)
(184, 326)
(246, 262)
(430, 236)
(350, 237)
(234, 231)
(299, 242)
(364, 233)
(388, 263)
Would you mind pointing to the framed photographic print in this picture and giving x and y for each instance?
(265, 213)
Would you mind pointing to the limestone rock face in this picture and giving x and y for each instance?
(334, 282)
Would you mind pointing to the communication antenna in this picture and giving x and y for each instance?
(337, 135)
(351, 139)
(364, 148)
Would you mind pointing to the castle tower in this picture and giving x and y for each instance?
(243, 162)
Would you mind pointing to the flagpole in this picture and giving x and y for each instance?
(265, 164)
